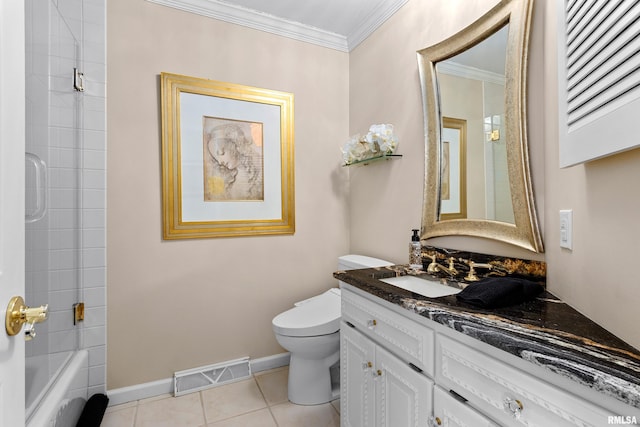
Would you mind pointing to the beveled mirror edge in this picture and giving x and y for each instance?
(525, 232)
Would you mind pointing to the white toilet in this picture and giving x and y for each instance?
(310, 331)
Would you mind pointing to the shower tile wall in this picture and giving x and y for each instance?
(67, 249)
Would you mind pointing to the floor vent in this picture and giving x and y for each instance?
(205, 377)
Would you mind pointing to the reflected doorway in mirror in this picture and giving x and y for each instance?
(453, 185)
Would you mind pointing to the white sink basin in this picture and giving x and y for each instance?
(420, 286)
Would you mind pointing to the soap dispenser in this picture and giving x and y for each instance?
(415, 251)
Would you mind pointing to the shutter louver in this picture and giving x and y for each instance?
(603, 57)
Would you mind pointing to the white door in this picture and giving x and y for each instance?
(357, 365)
(404, 398)
(12, 161)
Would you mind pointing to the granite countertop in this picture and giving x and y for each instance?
(545, 331)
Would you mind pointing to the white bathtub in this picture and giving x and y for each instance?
(64, 398)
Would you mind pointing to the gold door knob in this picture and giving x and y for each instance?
(18, 314)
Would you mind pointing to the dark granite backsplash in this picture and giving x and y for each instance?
(500, 266)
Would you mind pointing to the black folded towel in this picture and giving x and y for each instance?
(495, 292)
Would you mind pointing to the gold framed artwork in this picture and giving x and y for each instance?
(453, 164)
(227, 159)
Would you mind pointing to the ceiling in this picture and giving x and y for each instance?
(337, 24)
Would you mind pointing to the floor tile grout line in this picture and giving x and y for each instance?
(264, 397)
(273, 417)
(204, 412)
(135, 414)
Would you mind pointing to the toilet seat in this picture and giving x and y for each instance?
(319, 315)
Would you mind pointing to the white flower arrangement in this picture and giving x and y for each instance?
(379, 141)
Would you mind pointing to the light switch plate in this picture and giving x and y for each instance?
(566, 228)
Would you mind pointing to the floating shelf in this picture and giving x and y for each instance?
(375, 159)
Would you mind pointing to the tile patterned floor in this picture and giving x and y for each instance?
(260, 401)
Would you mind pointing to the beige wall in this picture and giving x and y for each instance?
(599, 277)
(386, 199)
(174, 305)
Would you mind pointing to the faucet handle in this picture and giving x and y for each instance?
(471, 276)
(433, 266)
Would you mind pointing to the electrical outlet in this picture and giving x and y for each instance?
(566, 229)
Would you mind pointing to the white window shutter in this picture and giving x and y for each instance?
(599, 76)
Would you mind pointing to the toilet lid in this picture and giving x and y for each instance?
(319, 316)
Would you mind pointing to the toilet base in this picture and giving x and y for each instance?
(310, 381)
(310, 367)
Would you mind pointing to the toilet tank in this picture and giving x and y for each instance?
(352, 262)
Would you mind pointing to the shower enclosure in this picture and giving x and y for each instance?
(64, 212)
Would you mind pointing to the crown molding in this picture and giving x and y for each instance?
(272, 24)
(467, 72)
(372, 22)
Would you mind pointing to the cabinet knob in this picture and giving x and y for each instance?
(434, 421)
(514, 406)
(367, 365)
(372, 323)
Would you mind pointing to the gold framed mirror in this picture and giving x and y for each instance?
(479, 77)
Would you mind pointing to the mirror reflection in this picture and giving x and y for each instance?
(474, 174)
(477, 179)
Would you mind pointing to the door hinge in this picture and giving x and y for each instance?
(78, 312)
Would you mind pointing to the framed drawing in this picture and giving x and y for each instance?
(227, 159)
(453, 173)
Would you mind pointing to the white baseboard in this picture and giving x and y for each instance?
(269, 362)
(132, 393)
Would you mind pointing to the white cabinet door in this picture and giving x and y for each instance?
(377, 388)
(357, 394)
(404, 397)
(447, 411)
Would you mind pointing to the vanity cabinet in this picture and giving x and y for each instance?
(379, 388)
(396, 371)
